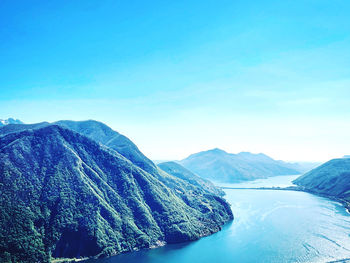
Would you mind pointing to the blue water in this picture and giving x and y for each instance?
(269, 226)
(281, 181)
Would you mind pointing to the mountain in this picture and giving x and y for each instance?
(99, 132)
(105, 135)
(219, 166)
(331, 179)
(181, 172)
(9, 121)
(64, 195)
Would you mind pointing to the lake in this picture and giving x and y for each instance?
(269, 226)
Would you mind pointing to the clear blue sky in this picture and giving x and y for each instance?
(178, 77)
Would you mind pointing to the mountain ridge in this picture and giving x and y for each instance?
(100, 132)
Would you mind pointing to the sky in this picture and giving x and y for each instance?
(179, 77)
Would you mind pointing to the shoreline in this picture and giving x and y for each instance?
(156, 245)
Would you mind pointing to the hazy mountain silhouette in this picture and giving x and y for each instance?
(220, 166)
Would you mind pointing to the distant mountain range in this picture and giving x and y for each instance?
(80, 189)
(330, 179)
(219, 166)
(9, 121)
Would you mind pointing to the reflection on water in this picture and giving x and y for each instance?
(269, 226)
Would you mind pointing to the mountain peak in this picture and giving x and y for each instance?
(217, 150)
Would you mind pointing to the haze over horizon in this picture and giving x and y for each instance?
(182, 77)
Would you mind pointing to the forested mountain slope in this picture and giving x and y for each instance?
(65, 195)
